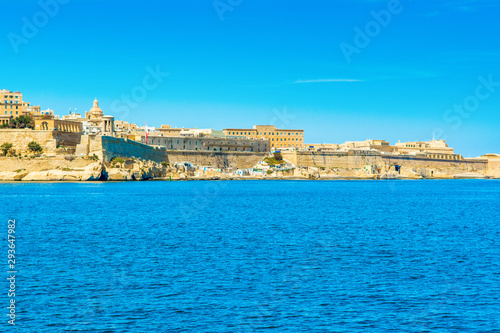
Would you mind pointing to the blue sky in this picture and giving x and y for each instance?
(234, 63)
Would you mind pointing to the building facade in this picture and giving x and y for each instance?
(208, 143)
(50, 123)
(12, 104)
(98, 122)
(278, 138)
(380, 145)
(430, 147)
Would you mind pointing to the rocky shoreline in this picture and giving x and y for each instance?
(75, 169)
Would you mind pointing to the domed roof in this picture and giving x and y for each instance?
(96, 111)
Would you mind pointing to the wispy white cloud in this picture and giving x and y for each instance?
(327, 80)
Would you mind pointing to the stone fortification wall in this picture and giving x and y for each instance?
(21, 137)
(384, 162)
(49, 140)
(66, 138)
(235, 159)
(494, 163)
(465, 165)
(351, 159)
(494, 166)
(106, 148)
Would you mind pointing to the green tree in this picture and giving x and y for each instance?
(35, 147)
(6, 147)
(24, 121)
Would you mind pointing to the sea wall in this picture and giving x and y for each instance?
(465, 165)
(107, 148)
(349, 159)
(222, 159)
(376, 162)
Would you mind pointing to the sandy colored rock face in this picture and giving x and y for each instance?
(50, 169)
(10, 176)
(118, 175)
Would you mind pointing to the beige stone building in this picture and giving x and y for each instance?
(208, 143)
(4, 119)
(322, 146)
(380, 145)
(124, 127)
(279, 138)
(168, 130)
(12, 104)
(431, 147)
(50, 123)
(99, 123)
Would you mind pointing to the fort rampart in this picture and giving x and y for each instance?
(107, 148)
(384, 162)
(224, 159)
(49, 140)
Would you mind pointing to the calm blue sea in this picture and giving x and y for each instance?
(255, 256)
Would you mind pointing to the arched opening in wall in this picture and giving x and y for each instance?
(45, 126)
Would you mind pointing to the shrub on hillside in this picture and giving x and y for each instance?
(6, 147)
(35, 147)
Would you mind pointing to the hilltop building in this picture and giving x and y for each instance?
(51, 123)
(12, 105)
(279, 138)
(167, 130)
(432, 147)
(380, 145)
(208, 143)
(98, 122)
(322, 146)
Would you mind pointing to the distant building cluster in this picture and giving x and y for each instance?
(260, 138)
(278, 138)
(12, 105)
(435, 149)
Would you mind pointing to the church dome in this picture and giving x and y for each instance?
(96, 111)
